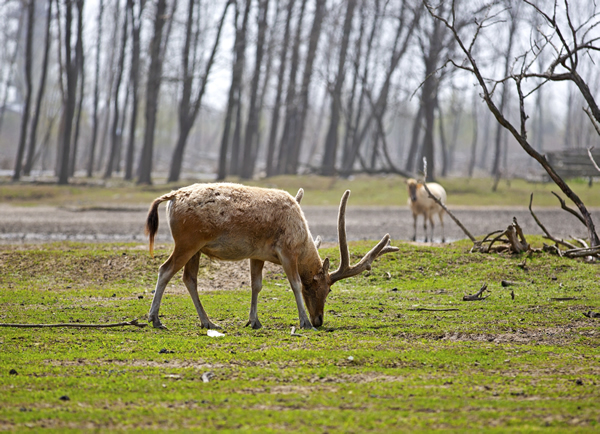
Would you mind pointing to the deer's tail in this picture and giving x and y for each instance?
(152, 219)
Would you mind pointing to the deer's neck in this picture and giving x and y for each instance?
(309, 262)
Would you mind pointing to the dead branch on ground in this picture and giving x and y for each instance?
(513, 238)
(478, 296)
(426, 309)
(119, 324)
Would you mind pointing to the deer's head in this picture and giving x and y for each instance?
(412, 188)
(316, 291)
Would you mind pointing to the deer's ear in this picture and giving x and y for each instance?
(326, 266)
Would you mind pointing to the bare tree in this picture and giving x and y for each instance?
(239, 48)
(95, 120)
(406, 22)
(11, 69)
(303, 97)
(28, 90)
(154, 81)
(71, 72)
(81, 80)
(251, 134)
(135, 18)
(188, 108)
(512, 13)
(40, 94)
(271, 166)
(291, 105)
(331, 141)
(567, 42)
(114, 139)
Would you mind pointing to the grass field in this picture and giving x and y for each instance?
(366, 190)
(382, 362)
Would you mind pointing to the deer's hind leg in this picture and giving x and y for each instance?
(256, 267)
(176, 261)
(190, 278)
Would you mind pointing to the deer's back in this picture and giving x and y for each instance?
(234, 221)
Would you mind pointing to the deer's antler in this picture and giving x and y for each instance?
(345, 270)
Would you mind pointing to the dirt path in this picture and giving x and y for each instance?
(42, 224)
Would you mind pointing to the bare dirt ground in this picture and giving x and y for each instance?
(43, 223)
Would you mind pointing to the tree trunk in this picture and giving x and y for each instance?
(250, 136)
(427, 150)
(291, 107)
(504, 95)
(315, 34)
(152, 93)
(331, 141)
(350, 125)
(354, 144)
(236, 144)
(11, 70)
(234, 96)
(81, 77)
(95, 120)
(380, 105)
(414, 140)
(40, 95)
(443, 143)
(114, 139)
(134, 80)
(279, 92)
(429, 92)
(188, 110)
(475, 134)
(71, 96)
(28, 90)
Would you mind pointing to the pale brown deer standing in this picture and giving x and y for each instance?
(233, 222)
(421, 204)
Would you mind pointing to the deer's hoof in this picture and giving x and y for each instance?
(306, 325)
(156, 323)
(254, 324)
(211, 326)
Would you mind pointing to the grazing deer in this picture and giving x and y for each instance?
(421, 204)
(233, 222)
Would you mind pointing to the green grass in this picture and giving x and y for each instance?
(377, 365)
(366, 190)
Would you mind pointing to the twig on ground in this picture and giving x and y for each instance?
(563, 298)
(426, 309)
(591, 314)
(506, 283)
(478, 296)
(119, 324)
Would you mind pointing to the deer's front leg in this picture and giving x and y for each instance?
(256, 267)
(291, 270)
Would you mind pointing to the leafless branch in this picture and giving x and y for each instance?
(589, 150)
(594, 123)
(546, 232)
(564, 206)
